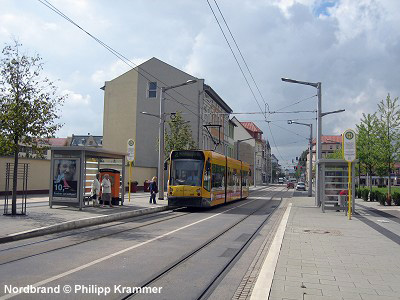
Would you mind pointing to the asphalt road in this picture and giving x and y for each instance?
(181, 254)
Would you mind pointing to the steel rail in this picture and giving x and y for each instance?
(93, 230)
(187, 256)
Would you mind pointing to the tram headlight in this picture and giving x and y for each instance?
(198, 192)
(171, 191)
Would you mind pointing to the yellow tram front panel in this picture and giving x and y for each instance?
(186, 179)
(184, 191)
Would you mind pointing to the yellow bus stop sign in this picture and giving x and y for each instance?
(349, 154)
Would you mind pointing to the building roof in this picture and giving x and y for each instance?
(330, 139)
(208, 89)
(251, 127)
(86, 140)
(232, 122)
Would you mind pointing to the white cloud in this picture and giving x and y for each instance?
(114, 70)
(353, 50)
(76, 101)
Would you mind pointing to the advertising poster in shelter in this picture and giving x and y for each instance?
(66, 178)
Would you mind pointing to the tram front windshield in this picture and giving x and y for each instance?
(186, 172)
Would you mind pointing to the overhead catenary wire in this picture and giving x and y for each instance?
(120, 56)
(241, 55)
(297, 102)
(280, 120)
(234, 55)
(248, 69)
(261, 113)
(288, 130)
(273, 140)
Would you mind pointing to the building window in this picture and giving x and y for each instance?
(152, 90)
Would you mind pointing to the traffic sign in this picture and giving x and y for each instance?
(349, 145)
(131, 150)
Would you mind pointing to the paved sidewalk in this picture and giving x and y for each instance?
(327, 256)
(40, 215)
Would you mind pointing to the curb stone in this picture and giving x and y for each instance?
(80, 223)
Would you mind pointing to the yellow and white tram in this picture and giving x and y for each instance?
(203, 178)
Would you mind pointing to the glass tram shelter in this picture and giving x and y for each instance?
(334, 180)
(73, 169)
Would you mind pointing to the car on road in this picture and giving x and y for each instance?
(280, 180)
(290, 185)
(301, 186)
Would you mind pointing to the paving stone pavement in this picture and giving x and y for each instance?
(326, 256)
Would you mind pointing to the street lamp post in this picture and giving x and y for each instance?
(317, 85)
(310, 152)
(237, 146)
(161, 136)
(320, 114)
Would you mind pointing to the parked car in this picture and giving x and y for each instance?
(290, 185)
(301, 186)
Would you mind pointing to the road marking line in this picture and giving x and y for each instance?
(51, 279)
(264, 281)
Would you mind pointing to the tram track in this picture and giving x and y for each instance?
(212, 284)
(98, 229)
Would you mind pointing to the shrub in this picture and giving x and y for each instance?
(374, 196)
(364, 194)
(396, 198)
(381, 197)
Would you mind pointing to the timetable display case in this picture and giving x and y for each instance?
(335, 180)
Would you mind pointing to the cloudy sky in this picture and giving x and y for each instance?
(352, 47)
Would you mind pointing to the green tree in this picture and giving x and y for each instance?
(29, 105)
(179, 135)
(389, 119)
(337, 154)
(367, 141)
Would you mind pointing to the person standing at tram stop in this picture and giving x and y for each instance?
(153, 190)
(96, 190)
(106, 186)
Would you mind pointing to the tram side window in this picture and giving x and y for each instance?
(244, 178)
(230, 177)
(218, 174)
(207, 176)
(235, 178)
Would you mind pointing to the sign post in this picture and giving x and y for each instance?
(349, 154)
(130, 158)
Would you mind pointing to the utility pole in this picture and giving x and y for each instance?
(320, 114)
(237, 146)
(310, 165)
(310, 152)
(161, 133)
(319, 152)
